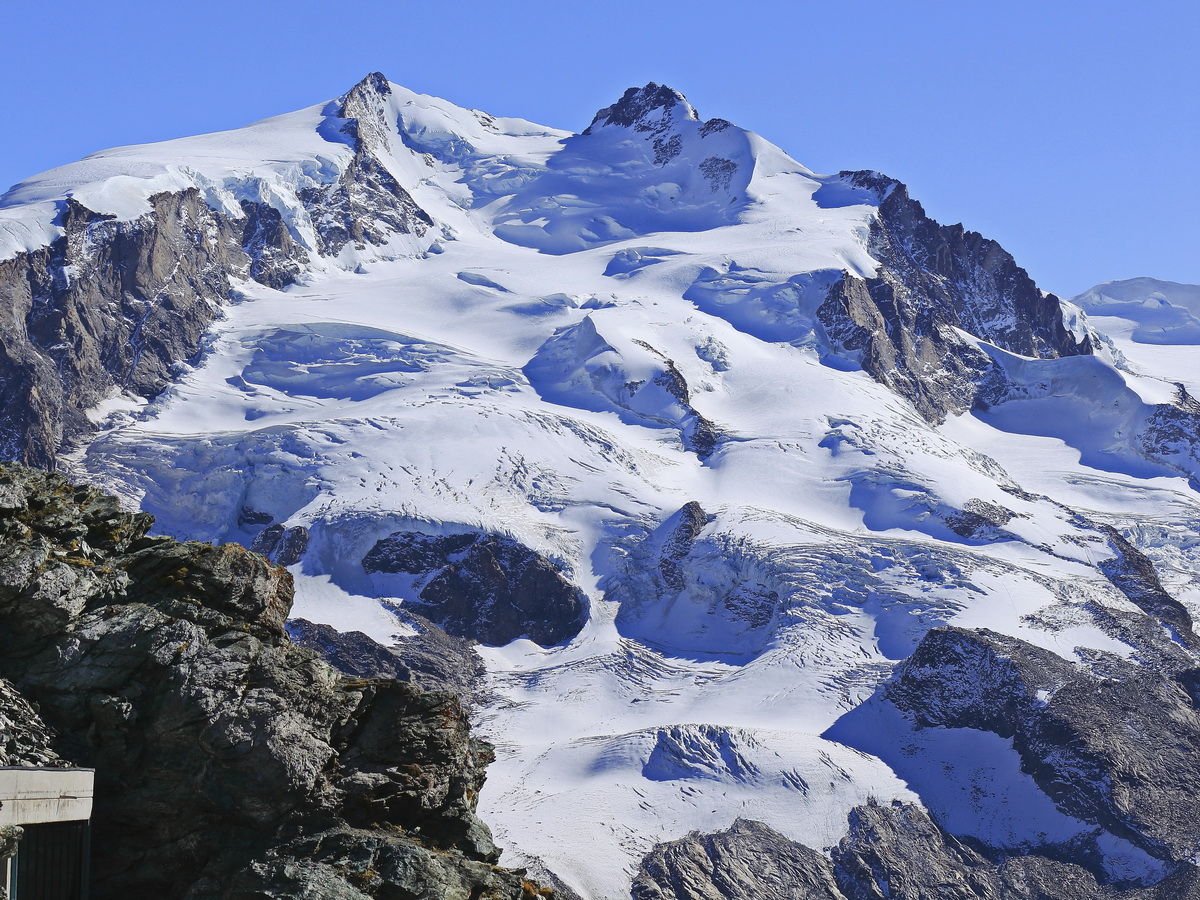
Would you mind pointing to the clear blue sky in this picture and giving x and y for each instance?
(1067, 130)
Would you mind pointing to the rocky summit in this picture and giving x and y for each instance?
(782, 540)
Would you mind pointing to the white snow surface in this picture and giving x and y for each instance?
(500, 376)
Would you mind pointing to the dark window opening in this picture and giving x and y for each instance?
(52, 862)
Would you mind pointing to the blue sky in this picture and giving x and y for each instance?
(1068, 131)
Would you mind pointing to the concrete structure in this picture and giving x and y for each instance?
(48, 810)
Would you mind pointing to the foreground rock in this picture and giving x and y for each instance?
(230, 763)
(431, 659)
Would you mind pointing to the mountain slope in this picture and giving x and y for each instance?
(727, 447)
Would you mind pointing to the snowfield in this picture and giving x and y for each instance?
(607, 348)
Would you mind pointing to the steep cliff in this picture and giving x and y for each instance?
(932, 281)
(112, 306)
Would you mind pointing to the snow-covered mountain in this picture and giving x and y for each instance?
(766, 496)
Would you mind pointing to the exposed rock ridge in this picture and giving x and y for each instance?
(115, 305)
(1134, 575)
(692, 520)
(645, 109)
(747, 860)
(230, 763)
(933, 279)
(366, 204)
(892, 852)
(1112, 743)
(906, 349)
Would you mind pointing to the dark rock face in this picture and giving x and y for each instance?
(350, 652)
(893, 852)
(1134, 576)
(934, 278)
(691, 521)
(643, 109)
(431, 659)
(1115, 747)
(117, 304)
(929, 366)
(414, 553)
(1171, 434)
(485, 587)
(366, 205)
(748, 860)
(980, 520)
(230, 763)
(283, 546)
(897, 852)
(276, 259)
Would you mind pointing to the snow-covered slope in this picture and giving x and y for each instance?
(773, 427)
(1161, 312)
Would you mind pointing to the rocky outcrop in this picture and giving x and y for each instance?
(700, 435)
(24, 738)
(897, 852)
(485, 587)
(116, 305)
(645, 109)
(932, 280)
(747, 860)
(1171, 434)
(230, 763)
(431, 659)
(891, 852)
(1112, 744)
(690, 521)
(283, 546)
(1132, 573)
(366, 204)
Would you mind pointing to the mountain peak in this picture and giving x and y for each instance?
(374, 83)
(651, 108)
(363, 108)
